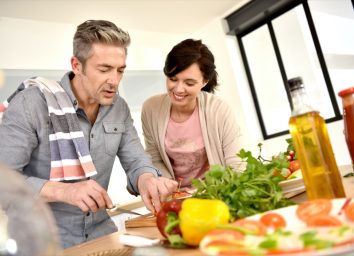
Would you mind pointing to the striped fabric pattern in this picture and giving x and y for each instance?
(70, 155)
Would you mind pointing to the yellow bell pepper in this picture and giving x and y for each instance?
(198, 216)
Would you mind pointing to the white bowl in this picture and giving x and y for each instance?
(292, 187)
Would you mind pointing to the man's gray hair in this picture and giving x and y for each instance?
(97, 31)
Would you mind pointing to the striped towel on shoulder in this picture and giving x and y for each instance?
(70, 155)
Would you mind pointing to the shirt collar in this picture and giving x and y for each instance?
(66, 84)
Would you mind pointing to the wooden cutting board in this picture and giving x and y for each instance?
(147, 220)
(127, 251)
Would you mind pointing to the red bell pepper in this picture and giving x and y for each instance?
(167, 218)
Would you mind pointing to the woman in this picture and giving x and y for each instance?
(189, 129)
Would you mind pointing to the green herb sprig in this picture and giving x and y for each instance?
(247, 192)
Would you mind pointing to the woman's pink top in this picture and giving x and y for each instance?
(185, 147)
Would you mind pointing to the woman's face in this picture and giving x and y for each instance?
(184, 87)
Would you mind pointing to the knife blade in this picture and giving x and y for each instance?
(117, 209)
(345, 204)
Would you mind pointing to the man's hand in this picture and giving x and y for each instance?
(87, 195)
(154, 190)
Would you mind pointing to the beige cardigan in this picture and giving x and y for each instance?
(219, 128)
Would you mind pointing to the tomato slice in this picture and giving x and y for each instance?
(230, 234)
(224, 241)
(226, 250)
(313, 207)
(255, 227)
(273, 220)
(222, 237)
(294, 251)
(323, 220)
(349, 211)
(345, 243)
(180, 194)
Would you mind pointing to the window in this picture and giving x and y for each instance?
(279, 40)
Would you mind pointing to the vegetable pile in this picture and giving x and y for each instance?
(225, 195)
(252, 191)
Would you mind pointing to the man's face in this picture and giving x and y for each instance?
(98, 82)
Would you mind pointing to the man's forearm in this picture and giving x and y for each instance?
(53, 191)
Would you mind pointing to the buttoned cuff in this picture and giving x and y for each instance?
(132, 184)
(35, 184)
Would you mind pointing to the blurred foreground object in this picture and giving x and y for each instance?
(27, 226)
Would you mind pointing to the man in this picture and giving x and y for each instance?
(26, 145)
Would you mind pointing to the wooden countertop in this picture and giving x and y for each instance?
(111, 242)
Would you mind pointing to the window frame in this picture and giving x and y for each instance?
(257, 13)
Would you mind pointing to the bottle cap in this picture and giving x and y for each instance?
(346, 92)
(295, 83)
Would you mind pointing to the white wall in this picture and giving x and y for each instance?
(33, 44)
(27, 44)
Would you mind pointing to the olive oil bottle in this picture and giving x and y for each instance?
(313, 147)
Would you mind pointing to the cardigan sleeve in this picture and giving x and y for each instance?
(151, 136)
(221, 133)
(230, 136)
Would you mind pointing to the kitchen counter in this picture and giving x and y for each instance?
(111, 242)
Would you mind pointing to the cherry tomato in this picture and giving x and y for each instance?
(273, 220)
(294, 165)
(323, 220)
(285, 172)
(255, 227)
(349, 211)
(313, 207)
(278, 174)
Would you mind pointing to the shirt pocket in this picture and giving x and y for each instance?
(112, 135)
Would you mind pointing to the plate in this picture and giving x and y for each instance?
(297, 227)
(292, 187)
(294, 224)
(183, 193)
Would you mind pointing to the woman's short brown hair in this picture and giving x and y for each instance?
(188, 52)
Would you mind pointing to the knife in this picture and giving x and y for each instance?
(346, 203)
(116, 209)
